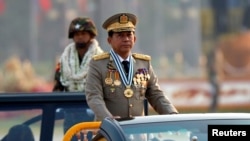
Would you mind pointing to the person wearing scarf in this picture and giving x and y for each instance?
(73, 65)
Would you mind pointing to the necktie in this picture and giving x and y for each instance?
(126, 66)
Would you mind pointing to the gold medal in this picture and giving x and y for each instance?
(134, 79)
(138, 81)
(117, 82)
(144, 83)
(128, 92)
(108, 81)
(141, 75)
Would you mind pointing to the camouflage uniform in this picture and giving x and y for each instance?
(76, 115)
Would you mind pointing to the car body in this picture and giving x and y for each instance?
(42, 113)
(178, 127)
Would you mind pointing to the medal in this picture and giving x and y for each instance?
(109, 80)
(134, 80)
(138, 75)
(144, 83)
(117, 81)
(126, 80)
(128, 92)
(142, 76)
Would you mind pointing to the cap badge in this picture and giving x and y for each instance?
(123, 19)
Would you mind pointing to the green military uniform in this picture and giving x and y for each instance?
(107, 100)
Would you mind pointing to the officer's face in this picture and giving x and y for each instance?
(122, 42)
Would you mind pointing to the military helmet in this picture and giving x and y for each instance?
(82, 24)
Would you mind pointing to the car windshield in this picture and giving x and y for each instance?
(175, 131)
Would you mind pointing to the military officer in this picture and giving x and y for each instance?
(118, 81)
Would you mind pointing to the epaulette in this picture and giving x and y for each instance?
(142, 56)
(101, 56)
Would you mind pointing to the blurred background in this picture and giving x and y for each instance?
(200, 48)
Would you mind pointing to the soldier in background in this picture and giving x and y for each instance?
(73, 65)
(118, 81)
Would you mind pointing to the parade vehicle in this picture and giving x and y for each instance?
(177, 127)
(42, 114)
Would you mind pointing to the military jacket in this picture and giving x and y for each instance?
(108, 98)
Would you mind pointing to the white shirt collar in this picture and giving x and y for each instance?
(121, 59)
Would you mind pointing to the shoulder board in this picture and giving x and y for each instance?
(101, 56)
(142, 56)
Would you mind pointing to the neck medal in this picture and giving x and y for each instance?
(127, 81)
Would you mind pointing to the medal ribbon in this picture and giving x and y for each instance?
(127, 81)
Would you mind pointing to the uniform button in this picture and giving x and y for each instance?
(130, 105)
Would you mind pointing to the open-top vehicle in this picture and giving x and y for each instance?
(178, 127)
(42, 116)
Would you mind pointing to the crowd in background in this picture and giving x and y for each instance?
(180, 35)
